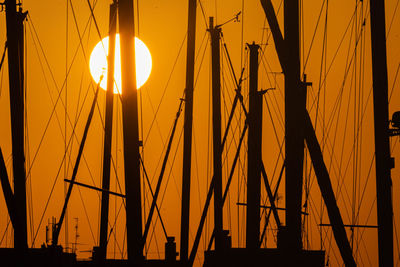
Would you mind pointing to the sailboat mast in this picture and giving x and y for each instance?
(298, 119)
(15, 41)
(130, 132)
(187, 138)
(382, 145)
(108, 133)
(254, 154)
(295, 108)
(215, 33)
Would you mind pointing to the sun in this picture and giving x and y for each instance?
(98, 63)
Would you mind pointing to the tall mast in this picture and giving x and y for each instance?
(187, 139)
(15, 41)
(298, 120)
(295, 108)
(254, 154)
(215, 33)
(382, 146)
(130, 132)
(108, 133)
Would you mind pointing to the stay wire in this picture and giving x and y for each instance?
(278, 112)
(164, 91)
(52, 189)
(322, 65)
(346, 72)
(27, 137)
(360, 203)
(241, 37)
(151, 191)
(392, 19)
(338, 48)
(168, 179)
(181, 132)
(58, 120)
(55, 84)
(313, 37)
(61, 91)
(394, 82)
(47, 125)
(203, 13)
(65, 121)
(85, 57)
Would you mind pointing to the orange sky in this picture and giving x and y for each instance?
(162, 26)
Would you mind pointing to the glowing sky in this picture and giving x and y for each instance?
(57, 72)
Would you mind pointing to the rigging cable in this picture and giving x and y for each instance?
(242, 53)
(156, 206)
(53, 186)
(65, 121)
(268, 70)
(48, 122)
(203, 13)
(26, 136)
(343, 85)
(154, 120)
(59, 91)
(322, 67)
(164, 91)
(391, 21)
(155, 195)
(313, 38)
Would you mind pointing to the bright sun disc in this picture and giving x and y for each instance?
(98, 63)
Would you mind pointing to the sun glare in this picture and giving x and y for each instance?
(98, 63)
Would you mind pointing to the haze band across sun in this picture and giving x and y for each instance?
(98, 63)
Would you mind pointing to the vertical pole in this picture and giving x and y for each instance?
(108, 133)
(216, 121)
(295, 107)
(254, 154)
(130, 132)
(382, 146)
(15, 42)
(187, 139)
